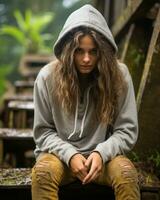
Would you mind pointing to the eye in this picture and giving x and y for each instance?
(93, 52)
(79, 51)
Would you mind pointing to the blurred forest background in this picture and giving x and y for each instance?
(30, 27)
(49, 15)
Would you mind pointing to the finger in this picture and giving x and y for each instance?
(88, 162)
(80, 177)
(93, 174)
(89, 175)
(81, 174)
(90, 178)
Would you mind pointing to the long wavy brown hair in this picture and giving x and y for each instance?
(107, 77)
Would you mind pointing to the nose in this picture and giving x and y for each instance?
(86, 58)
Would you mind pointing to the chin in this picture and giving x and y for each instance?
(85, 72)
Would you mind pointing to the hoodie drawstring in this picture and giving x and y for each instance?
(83, 119)
(75, 120)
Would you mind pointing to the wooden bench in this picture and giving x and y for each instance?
(31, 64)
(5, 109)
(18, 97)
(19, 114)
(24, 86)
(16, 144)
(29, 76)
(13, 184)
(18, 182)
(22, 186)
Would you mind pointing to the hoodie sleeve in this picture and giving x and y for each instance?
(125, 129)
(45, 134)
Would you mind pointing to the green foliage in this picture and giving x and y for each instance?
(134, 157)
(155, 158)
(4, 71)
(29, 31)
(151, 160)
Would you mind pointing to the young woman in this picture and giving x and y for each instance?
(85, 112)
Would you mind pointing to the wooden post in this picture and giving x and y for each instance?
(154, 37)
(134, 11)
(1, 152)
(124, 18)
(127, 40)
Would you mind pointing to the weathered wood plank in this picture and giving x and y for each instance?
(127, 40)
(24, 86)
(135, 51)
(17, 147)
(32, 63)
(149, 110)
(19, 114)
(1, 152)
(12, 133)
(21, 178)
(21, 105)
(18, 97)
(135, 10)
(151, 49)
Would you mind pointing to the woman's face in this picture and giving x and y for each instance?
(86, 55)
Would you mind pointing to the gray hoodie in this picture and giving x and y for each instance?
(63, 135)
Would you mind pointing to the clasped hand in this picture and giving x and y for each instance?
(86, 170)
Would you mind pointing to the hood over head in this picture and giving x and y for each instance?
(86, 16)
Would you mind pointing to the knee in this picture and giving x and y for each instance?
(122, 170)
(47, 169)
(41, 173)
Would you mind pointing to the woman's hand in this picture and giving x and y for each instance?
(78, 167)
(94, 164)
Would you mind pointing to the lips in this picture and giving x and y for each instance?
(86, 66)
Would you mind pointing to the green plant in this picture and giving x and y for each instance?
(134, 157)
(155, 158)
(29, 31)
(4, 71)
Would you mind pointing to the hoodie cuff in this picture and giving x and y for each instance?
(68, 155)
(103, 156)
